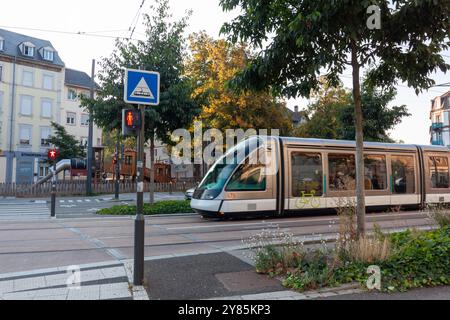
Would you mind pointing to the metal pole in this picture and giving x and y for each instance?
(90, 155)
(53, 194)
(117, 169)
(139, 223)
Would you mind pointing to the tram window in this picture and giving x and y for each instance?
(438, 171)
(375, 177)
(306, 173)
(342, 172)
(403, 178)
(248, 177)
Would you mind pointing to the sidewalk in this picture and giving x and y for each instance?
(101, 281)
(213, 276)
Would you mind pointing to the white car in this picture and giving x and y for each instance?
(189, 193)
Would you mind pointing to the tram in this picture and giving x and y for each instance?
(276, 176)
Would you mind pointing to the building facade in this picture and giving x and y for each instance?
(440, 120)
(74, 118)
(33, 93)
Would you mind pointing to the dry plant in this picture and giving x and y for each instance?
(439, 213)
(346, 210)
(369, 250)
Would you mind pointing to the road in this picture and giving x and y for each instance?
(28, 244)
(72, 206)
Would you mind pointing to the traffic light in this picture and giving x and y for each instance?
(52, 154)
(131, 122)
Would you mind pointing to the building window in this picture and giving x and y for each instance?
(26, 105)
(84, 119)
(27, 78)
(1, 101)
(48, 54)
(46, 109)
(438, 172)
(84, 141)
(307, 173)
(45, 136)
(1, 73)
(342, 172)
(2, 44)
(70, 119)
(71, 94)
(28, 50)
(43, 169)
(375, 173)
(99, 141)
(25, 135)
(47, 82)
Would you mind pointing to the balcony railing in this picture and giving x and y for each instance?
(437, 142)
(437, 125)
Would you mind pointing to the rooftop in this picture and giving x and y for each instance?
(13, 40)
(77, 78)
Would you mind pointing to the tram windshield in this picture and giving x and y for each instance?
(220, 172)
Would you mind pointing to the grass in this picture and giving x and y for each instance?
(160, 207)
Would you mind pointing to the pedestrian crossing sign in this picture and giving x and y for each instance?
(141, 87)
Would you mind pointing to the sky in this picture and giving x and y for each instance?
(111, 18)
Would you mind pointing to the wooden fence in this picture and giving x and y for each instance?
(72, 188)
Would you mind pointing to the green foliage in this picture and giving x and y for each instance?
(331, 116)
(68, 146)
(160, 207)
(305, 37)
(163, 50)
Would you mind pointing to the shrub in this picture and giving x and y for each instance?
(274, 251)
(160, 207)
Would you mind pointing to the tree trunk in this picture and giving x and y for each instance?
(359, 137)
(152, 169)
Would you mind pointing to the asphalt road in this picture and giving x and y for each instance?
(74, 206)
(28, 244)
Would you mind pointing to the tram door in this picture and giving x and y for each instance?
(305, 183)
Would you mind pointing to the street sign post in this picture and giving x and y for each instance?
(52, 155)
(141, 88)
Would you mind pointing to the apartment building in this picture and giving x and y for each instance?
(74, 118)
(440, 120)
(34, 91)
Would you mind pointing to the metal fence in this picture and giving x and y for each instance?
(72, 188)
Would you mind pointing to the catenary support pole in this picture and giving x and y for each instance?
(90, 153)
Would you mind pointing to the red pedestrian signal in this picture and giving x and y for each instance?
(131, 122)
(52, 154)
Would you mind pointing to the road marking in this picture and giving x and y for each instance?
(70, 201)
(62, 201)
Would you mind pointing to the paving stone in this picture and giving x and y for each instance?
(25, 295)
(6, 286)
(115, 290)
(29, 283)
(115, 272)
(84, 293)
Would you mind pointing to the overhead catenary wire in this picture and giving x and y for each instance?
(135, 19)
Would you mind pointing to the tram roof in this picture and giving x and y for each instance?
(351, 144)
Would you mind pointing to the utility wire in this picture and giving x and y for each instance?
(79, 33)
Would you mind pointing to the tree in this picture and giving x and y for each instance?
(67, 145)
(308, 37)
(331, 116)
(163, 50)
(212, 65)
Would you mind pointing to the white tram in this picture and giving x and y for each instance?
(275, 176)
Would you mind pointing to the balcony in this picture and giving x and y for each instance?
(437, 142)
(437, 125)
